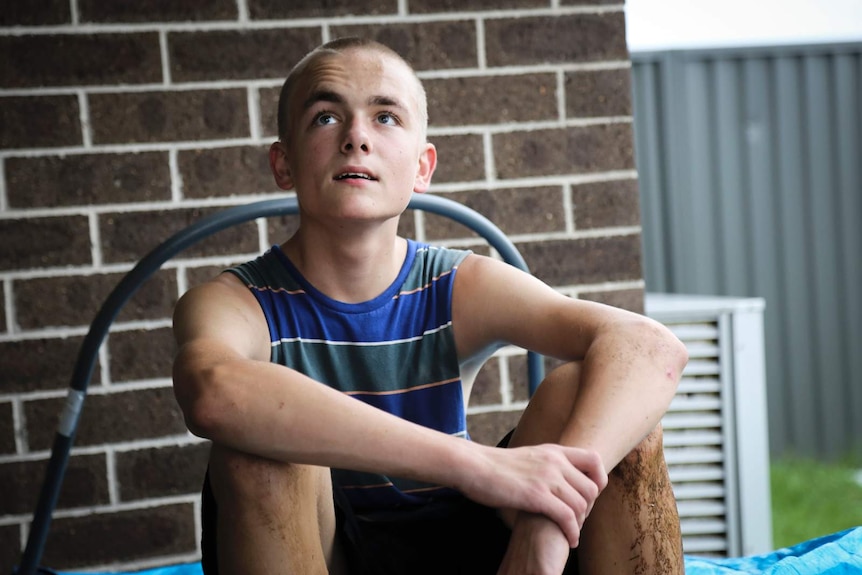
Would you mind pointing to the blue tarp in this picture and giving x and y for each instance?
(836, 554)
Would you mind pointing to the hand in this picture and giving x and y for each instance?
(561, 483)
(537, 546)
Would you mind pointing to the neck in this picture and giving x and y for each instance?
(350, 269)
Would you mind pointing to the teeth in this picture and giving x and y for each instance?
(353, 175)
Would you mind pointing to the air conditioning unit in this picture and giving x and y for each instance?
(715, 432)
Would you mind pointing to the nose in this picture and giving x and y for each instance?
(355, 137)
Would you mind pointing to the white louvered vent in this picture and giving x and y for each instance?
(715, 430)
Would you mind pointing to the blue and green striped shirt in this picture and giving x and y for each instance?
(395, 352)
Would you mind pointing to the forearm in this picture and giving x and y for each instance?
(627, 382)
(271, 411)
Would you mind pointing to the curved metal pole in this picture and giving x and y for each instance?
(151, 263)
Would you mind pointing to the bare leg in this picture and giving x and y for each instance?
(273, 517)
(634, 525)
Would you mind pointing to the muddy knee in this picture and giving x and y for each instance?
(265, 483)
(645, 462)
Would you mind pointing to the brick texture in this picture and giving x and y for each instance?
(39, 121)
(169, 116)
(72, 60)
(85, 483)
(7, 429)
(585, 261)
(75, 300)
(139, 534)
(126, 237)
(429, 45)
(491, 100)
(123, 122)
(218, 55)
(273, 9)
(87, 179)
(161, 472)
(572, 38)
(108, 418)
(10, 546)
(225, 171)
(39, 364)
(560, 151)
(155, 11)
(36, 13)
(606, 204)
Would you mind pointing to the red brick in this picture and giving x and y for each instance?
(275, 9)
(7, 429)
(103, 538)
(145, 11)
(169, 116)
(584, 261)
(554, 39)
(36, 13)
(39, 364)
(44, 242)
(87, 179)
(161, 472)
(226, 171)
(109, 418)
(491, 99)
(606, 204)
(585, 149)
(85, 483)
(75, 300)
(238, 54)
(39, 122)
(426, 45)
(79, 59)
(127, 237)
(598, 93)
(137, 355)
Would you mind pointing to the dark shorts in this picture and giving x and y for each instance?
(458, 537)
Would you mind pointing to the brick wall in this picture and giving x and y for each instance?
(121, 122)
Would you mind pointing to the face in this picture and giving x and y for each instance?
(355, 146)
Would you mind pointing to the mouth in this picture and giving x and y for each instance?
(354, 176)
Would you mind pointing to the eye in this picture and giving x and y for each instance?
(323, 119)
(387, 118)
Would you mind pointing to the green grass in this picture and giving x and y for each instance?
(813, 498)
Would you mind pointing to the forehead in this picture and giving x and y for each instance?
(358, 73)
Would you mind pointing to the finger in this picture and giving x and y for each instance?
(564, 516)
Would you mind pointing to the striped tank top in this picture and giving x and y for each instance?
(395, 352)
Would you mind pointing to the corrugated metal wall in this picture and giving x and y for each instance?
(750, 168)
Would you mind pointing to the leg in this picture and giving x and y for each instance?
(273, 517)
(634, 525)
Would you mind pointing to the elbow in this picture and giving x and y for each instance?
(671, 353)
(201, 401)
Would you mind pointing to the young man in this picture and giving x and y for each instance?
(332, 373)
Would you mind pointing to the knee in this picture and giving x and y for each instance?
(246, 477)
(645, 460)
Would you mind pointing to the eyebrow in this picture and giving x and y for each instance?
(336, 98)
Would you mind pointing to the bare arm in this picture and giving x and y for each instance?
(631, 365)
(230, 393)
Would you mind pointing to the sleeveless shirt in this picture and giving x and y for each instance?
(395, 352)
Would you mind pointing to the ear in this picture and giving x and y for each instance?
(427, 164)
(279, 166)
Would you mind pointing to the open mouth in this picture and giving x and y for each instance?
(353, 176)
